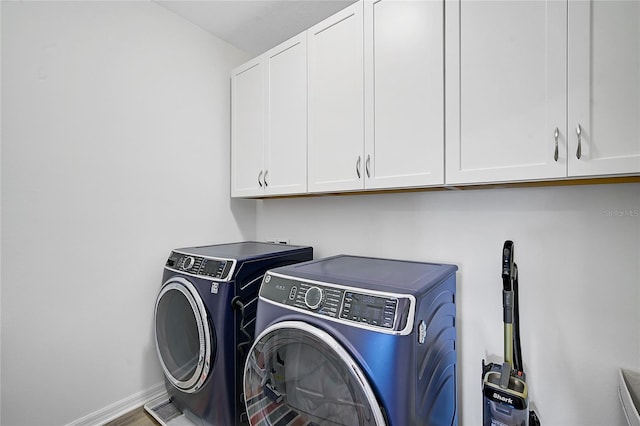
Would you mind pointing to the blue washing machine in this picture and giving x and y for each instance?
(204, 324)
(354, 341)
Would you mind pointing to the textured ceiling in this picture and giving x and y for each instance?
(255, 26)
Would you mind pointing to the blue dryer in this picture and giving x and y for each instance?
(205, 321)
(354, 341)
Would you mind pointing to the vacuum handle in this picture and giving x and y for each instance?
(507, 318)
(507, 307)
(508, 300)
(507, 265)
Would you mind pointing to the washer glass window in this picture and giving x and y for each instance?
(183, 335)
(298, 373)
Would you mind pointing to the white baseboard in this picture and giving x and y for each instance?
(119, 408)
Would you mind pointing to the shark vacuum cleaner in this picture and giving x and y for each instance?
(504, 388)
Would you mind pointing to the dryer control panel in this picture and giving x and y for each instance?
(367, 309)
(200, 266)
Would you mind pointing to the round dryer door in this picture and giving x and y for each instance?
(184, 338)
(298, 374)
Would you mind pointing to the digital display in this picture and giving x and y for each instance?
(367, 306)
(369, 300)
(368, 309)
(212, 267)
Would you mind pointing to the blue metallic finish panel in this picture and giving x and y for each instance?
(209, 404)
(244, 251)
(219, 401)
(414, 382)
(372, 273)
(436, 357)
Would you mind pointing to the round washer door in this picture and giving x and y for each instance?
(297, 372)
(183, 335)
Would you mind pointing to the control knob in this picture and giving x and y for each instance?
(313, 298)
(188, 263)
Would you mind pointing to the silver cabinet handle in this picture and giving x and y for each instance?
(556, 133)
(266, 172)
(579, 133)
(358, 167)
(259, 177)
(366, 166)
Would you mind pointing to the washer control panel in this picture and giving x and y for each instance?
(200, 266)
(340, 303)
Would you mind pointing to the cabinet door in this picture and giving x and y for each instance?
(336, 98)
(247, 129)
(286, 138)
(505, 90)
(404, 92)
(604, 87)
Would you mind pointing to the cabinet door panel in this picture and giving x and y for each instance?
(604, 87)
(286, 144)
(404, 93)
(336, 97)
(247, 129)
(506, 90)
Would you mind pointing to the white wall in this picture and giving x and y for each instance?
(115, 148)
(578, 252)
(0, 216)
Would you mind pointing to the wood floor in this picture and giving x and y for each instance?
(137, 417)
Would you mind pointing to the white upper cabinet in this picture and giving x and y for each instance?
(367, 99)
(517, 71)
(286, 125)
(269, 122)
(336, 102)
(247, 129)
(404, 94)
(604, 87)
(505, 90)
(376, 97)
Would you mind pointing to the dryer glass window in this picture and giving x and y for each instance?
(178, 329)
(296, 376)
(183, 337)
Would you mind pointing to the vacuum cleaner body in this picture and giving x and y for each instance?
(504, 403)
(505, 395)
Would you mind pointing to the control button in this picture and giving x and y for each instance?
(313, 298)
(292, 292)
